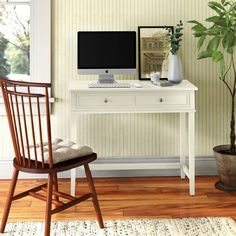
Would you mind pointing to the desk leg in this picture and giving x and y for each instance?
(182, 138)
(72, 181)
(73, 134)
(191, 142)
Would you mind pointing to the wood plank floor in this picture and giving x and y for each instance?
(155, 197)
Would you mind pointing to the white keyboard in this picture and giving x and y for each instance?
(111, 85)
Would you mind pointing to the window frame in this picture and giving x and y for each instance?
(40, 39)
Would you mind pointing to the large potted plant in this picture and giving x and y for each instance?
(217, 40)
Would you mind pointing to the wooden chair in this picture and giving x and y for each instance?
(31, 155)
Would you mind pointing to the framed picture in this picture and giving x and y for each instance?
(154, 50)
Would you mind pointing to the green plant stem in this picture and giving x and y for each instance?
(224, 77)
(232, 127)
(234, 69)
(232, 122)
(228, 87)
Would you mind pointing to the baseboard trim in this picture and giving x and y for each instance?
(204, 166)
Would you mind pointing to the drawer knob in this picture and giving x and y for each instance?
(106, 100)
(160, 100)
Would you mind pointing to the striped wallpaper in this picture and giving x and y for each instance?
(146, 135)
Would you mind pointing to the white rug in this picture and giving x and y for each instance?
(210, 226)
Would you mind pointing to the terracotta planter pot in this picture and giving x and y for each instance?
(226, 165)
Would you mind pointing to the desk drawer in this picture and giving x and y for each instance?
(162, 99)
(104, 100)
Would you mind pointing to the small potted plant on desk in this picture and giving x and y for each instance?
(175, 73)
(220, 37)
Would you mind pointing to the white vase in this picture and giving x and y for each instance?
(175, 73)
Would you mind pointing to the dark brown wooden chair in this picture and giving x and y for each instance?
(24, 106)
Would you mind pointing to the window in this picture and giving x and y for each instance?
(25, 40)
(15, 40)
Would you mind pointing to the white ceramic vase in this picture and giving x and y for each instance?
(175, 73)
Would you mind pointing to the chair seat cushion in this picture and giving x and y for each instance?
(62, 150)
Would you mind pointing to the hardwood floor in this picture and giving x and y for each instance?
(130, 198)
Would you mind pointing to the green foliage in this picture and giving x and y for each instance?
(175, 38)
(4, 66)
(220, 36)
(17, 50)
(18, 59)
(217, 40)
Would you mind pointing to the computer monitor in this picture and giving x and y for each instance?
(106, 53)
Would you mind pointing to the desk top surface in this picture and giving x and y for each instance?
(82, 85)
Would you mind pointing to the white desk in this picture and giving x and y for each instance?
(179, 98)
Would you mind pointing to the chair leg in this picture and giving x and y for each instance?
(94, 195)
(55, 185)
(48, 205)
(9, 200)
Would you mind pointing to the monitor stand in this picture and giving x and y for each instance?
(106, 79)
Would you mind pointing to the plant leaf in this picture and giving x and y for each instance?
(227, 20)
(216, 10)
(199, 27)
(198, 34)
(213, 44)
(222, 69)
(228, 40)
(217, 20)
(201, 41)
(204, 54)
(193, 22)
(217, 56)
(216, 4)
(227, 3)
(178, 35)
(233, 7)
(207, 32)
(230, 50)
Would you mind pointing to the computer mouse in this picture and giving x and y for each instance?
(138, 85)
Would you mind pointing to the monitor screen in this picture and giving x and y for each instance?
(106, 50)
